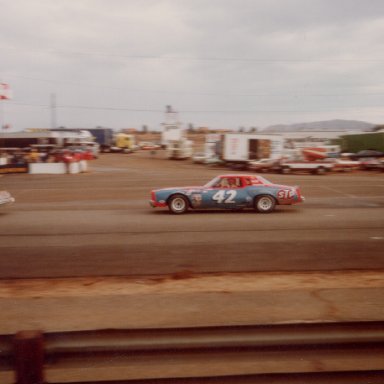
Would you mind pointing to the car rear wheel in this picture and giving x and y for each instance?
(178, 204)
(265, 204)
(285, 170)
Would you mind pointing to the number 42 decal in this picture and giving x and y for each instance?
(223, 196)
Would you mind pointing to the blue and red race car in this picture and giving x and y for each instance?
(228, 192)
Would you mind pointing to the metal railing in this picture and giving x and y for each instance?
(297, 353)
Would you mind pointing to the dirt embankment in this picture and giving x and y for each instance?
(190, 301)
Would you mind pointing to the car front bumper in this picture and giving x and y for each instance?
(155, 204)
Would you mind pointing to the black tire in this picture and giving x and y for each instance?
(178, 204)
(286, 170)
(320, 171)
(265, 204)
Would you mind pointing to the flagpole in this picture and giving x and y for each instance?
(4, 95)
(1, 110)
(2, 114)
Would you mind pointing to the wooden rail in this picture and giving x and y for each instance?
(305, 353)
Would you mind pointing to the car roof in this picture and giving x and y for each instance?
(237, 175)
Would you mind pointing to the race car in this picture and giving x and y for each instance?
(5, 198)
(227, 192)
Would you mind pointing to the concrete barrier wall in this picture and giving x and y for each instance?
(74, 167)
(58, 168)
(47, 168)
(83, 165)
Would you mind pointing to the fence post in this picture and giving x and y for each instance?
(29, 357)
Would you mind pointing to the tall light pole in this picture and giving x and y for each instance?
(53, 111)
(1, 114)
(4, 95)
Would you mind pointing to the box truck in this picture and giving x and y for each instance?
(240, 148)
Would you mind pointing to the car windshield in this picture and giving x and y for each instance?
(263, 180)
(211, 183)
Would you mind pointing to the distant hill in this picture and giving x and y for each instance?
(329, 125)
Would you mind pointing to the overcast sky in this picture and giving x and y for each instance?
(220, 63)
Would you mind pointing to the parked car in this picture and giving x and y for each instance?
(370, 163)
(214, 161)
(314, 167)
(227, 192)
(342, 165)
(262, 165)
(368, 153)
(199, 157)
(81, 152)
(148, 145)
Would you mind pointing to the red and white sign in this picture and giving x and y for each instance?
(5, 92)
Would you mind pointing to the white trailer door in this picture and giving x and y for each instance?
(235, 148)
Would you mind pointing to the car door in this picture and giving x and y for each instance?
(226, 195)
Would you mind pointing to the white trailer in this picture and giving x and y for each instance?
(170, 134)
(179, 149)
(241, 148)
(28, 138)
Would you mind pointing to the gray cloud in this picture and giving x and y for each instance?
(221, 63)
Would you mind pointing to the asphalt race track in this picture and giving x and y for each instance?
(100, 223)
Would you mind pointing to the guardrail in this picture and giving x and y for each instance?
(302, 353)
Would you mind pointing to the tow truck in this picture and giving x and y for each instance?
(314, 160)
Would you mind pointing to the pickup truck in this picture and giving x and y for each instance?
(263, 165)
(315, 167)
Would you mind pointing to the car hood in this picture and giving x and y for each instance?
(194, 188)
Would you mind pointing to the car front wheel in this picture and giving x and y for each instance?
(265, 204)
(321, 171)
(178, 204)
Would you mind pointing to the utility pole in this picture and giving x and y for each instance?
(4, 95)
(1, 115)
(1, 107)
(53, 111)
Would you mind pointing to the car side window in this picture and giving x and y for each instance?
(222, 183)
(252, 181)
(229, 182)
(234, 182)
